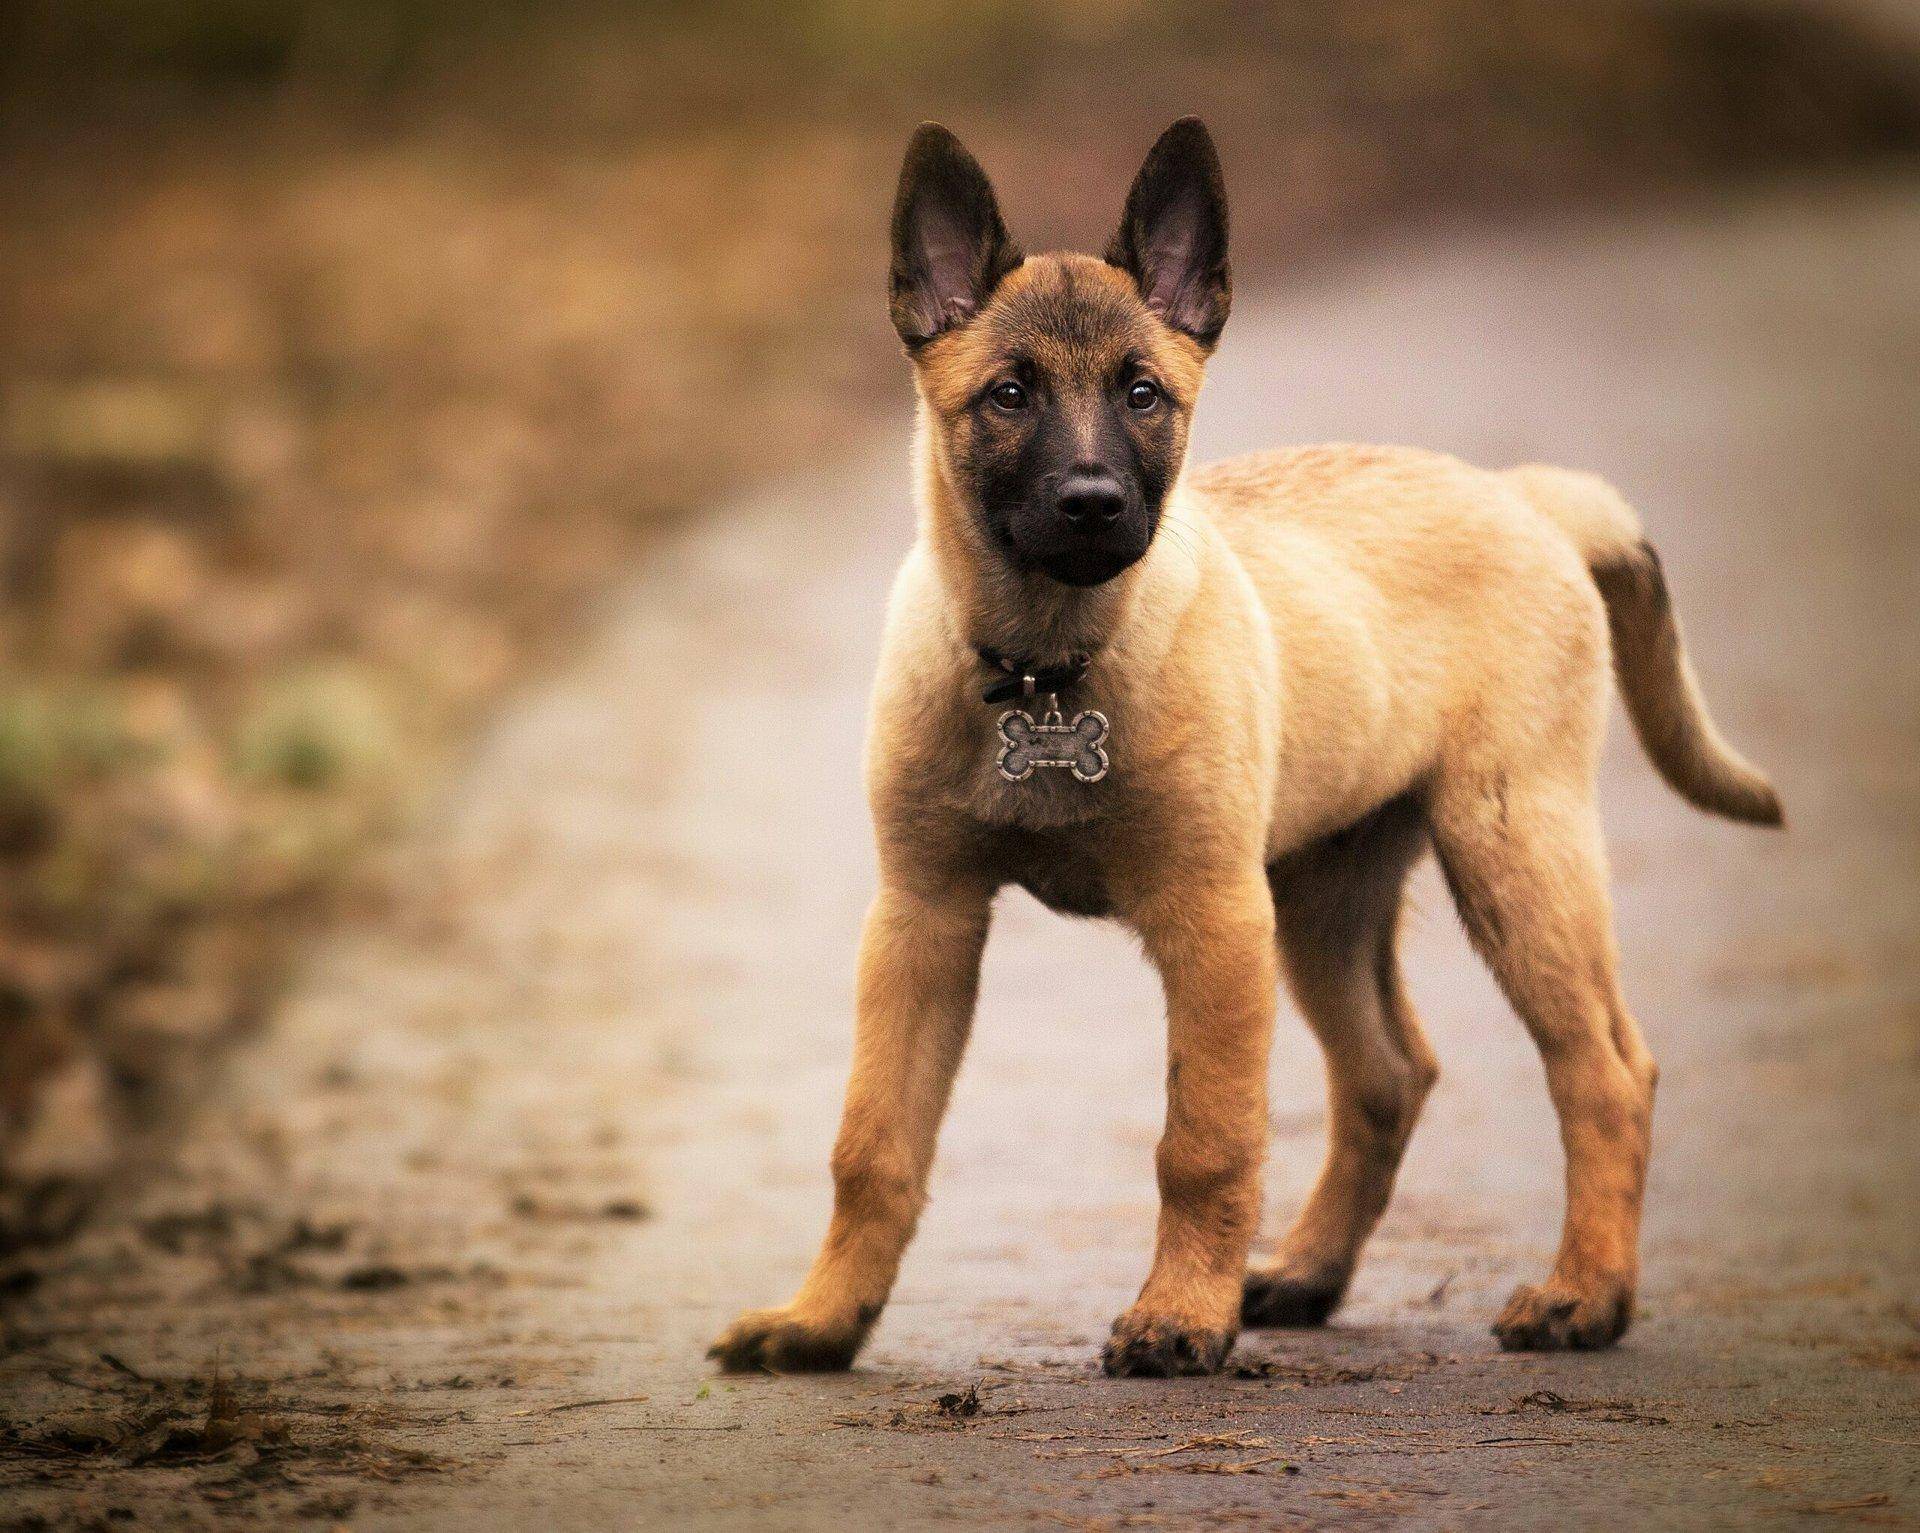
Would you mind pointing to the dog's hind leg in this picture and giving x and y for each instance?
(1338, 907)
(1523, 856)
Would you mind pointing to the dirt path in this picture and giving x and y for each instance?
(506, 1160)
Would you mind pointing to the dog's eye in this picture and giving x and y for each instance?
(1144, 395)
(1008, 395)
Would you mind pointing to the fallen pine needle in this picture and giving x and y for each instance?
(1213, 1440)
(1191, 1445)
(580, 1405)
(1202, 1466)
(663, 1426)
(119, 1367)
(1857, 1504)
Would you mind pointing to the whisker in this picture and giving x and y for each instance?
(1180, 535)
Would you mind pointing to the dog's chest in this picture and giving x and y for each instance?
(1062, 869)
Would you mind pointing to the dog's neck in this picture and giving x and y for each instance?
(1027, 616)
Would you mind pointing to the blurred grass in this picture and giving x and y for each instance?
(347, 349)
(1736, 66)
(317, 730)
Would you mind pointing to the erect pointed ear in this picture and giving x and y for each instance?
(1173, 234)
(950, 248)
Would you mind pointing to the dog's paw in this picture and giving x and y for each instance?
(1145, 1346)
(1269, 1298)
(1549, 1317)
(780, 1341)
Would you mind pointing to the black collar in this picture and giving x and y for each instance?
(1024, 678)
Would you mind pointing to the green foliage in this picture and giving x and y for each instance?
(51, 734)
(317, 729)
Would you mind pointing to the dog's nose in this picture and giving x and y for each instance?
(1091, 498)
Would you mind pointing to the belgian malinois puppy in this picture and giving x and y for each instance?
(1290, 674)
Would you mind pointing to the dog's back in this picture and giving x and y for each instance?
(1411, 591)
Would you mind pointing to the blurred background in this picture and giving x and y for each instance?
(349, 349)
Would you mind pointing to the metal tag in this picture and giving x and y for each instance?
(1079, 746)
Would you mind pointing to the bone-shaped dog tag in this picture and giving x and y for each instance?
(1052, 743)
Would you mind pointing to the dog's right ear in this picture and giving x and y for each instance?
(950, 248)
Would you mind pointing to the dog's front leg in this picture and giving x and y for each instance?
(1214, 945)
(919, 973)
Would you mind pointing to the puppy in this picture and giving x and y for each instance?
(1290, 675)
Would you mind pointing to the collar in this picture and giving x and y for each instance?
(1025, 678)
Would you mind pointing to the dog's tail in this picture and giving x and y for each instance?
(1649, 658)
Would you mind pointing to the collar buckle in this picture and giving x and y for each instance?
(1025, 680)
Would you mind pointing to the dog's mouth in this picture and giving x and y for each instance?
(1074, 557)
(1084, 567)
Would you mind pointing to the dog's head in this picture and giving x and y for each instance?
(1061, 386)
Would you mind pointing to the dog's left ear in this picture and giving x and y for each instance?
(1173, 235)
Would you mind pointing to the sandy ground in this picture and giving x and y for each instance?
(445, 1247)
